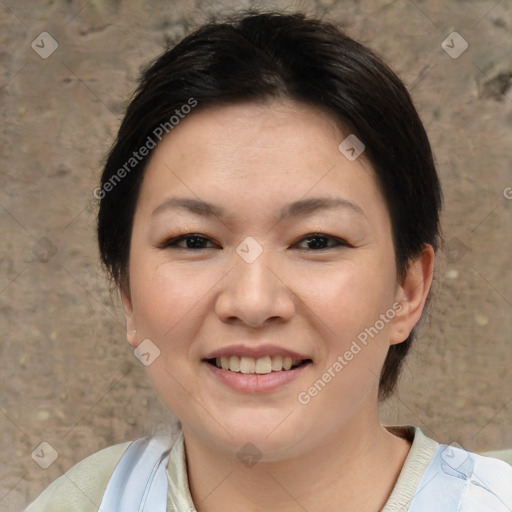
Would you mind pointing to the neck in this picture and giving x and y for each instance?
(354, 470)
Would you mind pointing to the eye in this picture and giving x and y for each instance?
(191, 240)
(320, 241)
(315, 241)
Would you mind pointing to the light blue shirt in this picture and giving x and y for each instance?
(150, 475)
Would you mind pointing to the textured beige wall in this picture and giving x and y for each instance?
(67, 375)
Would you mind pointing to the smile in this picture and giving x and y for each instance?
(260, 366)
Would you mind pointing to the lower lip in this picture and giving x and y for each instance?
(255, 383)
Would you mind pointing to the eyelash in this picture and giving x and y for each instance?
(172, 243)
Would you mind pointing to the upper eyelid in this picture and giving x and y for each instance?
(174, 240)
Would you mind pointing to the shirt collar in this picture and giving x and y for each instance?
(419, 457)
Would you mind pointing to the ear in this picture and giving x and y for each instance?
(412, 294)
(131, 328)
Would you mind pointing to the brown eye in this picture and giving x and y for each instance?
(189, 241)
(320, 241)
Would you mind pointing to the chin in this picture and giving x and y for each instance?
(265, 440)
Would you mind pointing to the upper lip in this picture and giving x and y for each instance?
(255, 352)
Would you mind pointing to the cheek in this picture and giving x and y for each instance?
(347, 308)
(171, 303)
(168, 310)
(165, 295)
(350, 299)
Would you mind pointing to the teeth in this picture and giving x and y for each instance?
(260, 366)
(247, 365)
(277, 363)
(234, 364)
(263, 365)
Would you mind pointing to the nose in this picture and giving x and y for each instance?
(255, 292)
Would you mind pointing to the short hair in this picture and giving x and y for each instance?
(257, 56)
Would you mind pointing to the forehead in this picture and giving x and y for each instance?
(256, 155)
(253, 131)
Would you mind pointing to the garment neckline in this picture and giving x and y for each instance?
(416, 463)
(419, 457)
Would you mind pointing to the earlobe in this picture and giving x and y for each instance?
(412, 294)
(131, 331)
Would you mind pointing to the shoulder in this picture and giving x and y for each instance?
(495, 474)
(505, 455)
(456, 461)
(449, 478)
(465, 481)
(81, 488)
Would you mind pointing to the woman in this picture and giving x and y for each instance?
(270, 216)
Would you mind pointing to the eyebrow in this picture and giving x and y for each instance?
(295, 209)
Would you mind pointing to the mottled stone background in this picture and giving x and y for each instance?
(68, 377)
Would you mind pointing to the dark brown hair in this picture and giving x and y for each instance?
(254, 57)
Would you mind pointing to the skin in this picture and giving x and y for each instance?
(252, 159)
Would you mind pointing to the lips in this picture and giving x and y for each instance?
(256, 352)
(260, 360)
(254, 383)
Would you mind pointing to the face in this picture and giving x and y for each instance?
(257, 244)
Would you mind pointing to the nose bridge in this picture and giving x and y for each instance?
(252, 262)
(254, 292)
